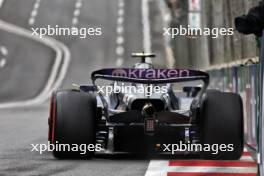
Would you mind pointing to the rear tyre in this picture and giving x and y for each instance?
(73, 122)
(222, 125)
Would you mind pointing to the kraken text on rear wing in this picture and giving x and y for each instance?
(150, 76)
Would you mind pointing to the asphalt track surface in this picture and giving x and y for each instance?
(27, 61)
(20, 127)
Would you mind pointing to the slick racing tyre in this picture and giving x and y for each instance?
(72, 122)
(222, 125)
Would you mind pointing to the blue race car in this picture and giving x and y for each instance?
(149, 111)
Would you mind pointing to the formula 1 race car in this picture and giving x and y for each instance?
(147, 111)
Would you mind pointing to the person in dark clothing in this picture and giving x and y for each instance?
(253, 22)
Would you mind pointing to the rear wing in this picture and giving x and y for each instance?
(150, 76)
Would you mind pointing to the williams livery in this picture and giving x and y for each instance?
(150, 74)
(146, 73)
(177, 110)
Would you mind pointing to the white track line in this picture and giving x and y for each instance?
(119, 29)
(121, 12)
(75, 21)
(4, 52)
(34, 13)
(120, 20)
(78, 4)
(120, 50)
(1, 3)
(146, 28)
(119, 61)
(76, 12)
(2, 62)
(62, 59)
(121, 4)
(119, 34)
(120, 40)
(31, 21)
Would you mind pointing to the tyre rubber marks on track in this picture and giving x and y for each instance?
(34, 13)
(120, 34)
(4, 53)
(246, 166)
(76, 13)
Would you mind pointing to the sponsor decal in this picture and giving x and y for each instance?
(119, 72)
(151, 73)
